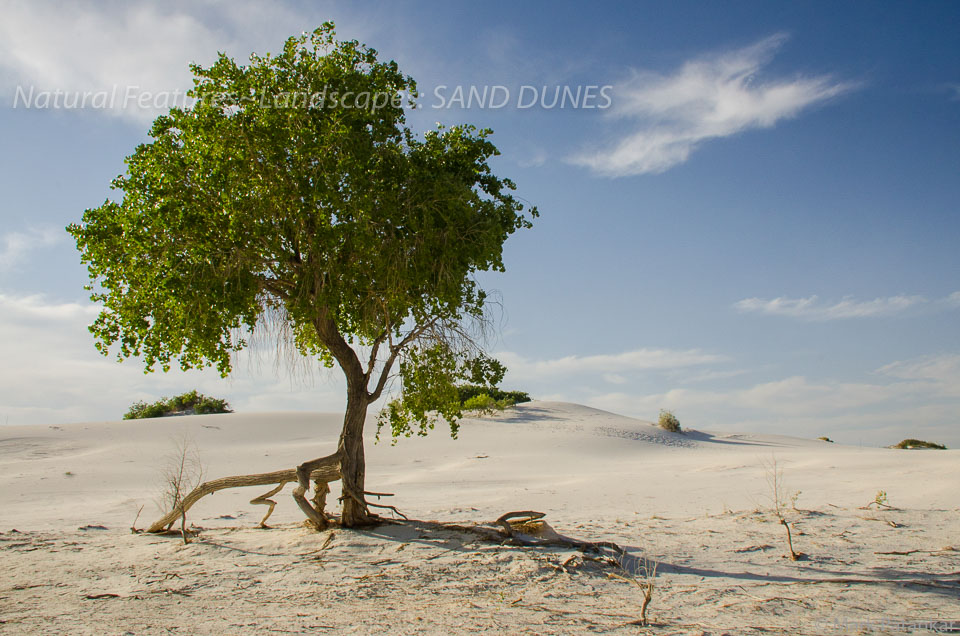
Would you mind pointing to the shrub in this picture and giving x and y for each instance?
(187, 402)
(917, 443)
(824, 438)
(668, 421)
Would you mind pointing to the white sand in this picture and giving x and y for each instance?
(697, 504)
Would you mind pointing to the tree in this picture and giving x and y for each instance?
(292, 194)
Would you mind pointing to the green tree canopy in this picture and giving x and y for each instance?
(293, 189)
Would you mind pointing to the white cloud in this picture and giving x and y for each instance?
(610, 364)
(812, 309)
(142, 47)
(953, 299)
(36, 306)
(708, 98)
(614, 378)
(15, 246)
(790, 397)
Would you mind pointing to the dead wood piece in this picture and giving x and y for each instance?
(908, 552)
(880, 506)
(794, 556)
(133, 527)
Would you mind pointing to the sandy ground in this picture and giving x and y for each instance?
(697, 506)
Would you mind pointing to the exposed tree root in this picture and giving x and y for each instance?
(376, 505)
(304, 473)
(322, 470)
(525, 528)
(264, 500)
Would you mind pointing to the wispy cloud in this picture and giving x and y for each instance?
(15, 246)
(708, 98)
(812, 308)
(939, 372)
(52, 373)
(610, 365)
(901, 400)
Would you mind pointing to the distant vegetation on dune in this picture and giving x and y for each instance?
(918, 443)
(190, 403)
(668, 421)
(468, 391)
(484, 400)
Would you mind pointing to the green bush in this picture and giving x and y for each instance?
(197, 402)
(669, 422)
(483, 404)
(468, 391)
(918, 443)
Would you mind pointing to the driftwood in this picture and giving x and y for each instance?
(321, 471)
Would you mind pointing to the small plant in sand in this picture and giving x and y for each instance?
(644, 579)
(668, 421)
(794, 497)
(778, 497)
(824, 438)
(182, 472)
(880, 501)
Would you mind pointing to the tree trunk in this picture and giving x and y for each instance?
(354, 510)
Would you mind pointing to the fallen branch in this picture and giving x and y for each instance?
(948, 585)
(880, 506)
(906, 552)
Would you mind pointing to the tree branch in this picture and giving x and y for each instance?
(375, 349)
(394, 352)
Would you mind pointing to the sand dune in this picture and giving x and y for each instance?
(697, 503)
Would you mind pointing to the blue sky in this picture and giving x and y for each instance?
(758, 233)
